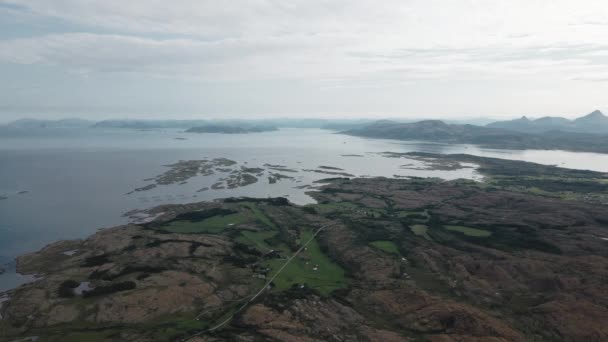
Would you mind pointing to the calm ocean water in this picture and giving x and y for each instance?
(65, 184)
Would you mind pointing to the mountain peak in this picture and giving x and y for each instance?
(594, 116)
(596, 113)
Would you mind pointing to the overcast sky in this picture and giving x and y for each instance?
(101, 59)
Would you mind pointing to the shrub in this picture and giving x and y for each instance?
(66, 289)
(97, 260)
(103, 290)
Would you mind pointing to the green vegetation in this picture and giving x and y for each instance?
(468, 231)
(112, 288)
(386, 246)
(401, 220)
(174, 326)
(89, 336)
(419, 216)
(346, 208)
(96, 260)
(257, 239)
(211, 225)
(259, 215)
(420, 230)
(312, 268)
(536, 179)
(329, 208)
(264, 240)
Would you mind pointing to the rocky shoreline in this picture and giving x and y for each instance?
(373, 259)
(410, 252)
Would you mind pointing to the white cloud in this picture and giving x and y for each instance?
(322, 37)
(336, 43)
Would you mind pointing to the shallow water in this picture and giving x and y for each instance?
(76, 181)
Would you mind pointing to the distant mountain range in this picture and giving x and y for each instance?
(439, 131)
(186, 124)
(588, 133)
(62, 123)
(332, 124)
(595, 122)
(149, 124)
(230, 129)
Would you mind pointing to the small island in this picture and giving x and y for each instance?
(229, 129)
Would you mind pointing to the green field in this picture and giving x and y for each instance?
(212, 225)
(468, 231)
(325, 279)
(420, 230)
(386, 246)
(256, 239)
(420, 216)
(259, 215)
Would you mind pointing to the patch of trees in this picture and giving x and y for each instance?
(276, 201)
(240, 260)
(97, 260)
(112, 288)
(106, 275)
(197, 216)
(309, 210)
(158, 243)
(66, 289)
(282, 300)
(555, 185)
(416, 216)
(243, 248)
(506, 238)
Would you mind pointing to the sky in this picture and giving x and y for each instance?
(100, 59)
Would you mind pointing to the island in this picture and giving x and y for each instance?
(490, 137)
(519, 256)
(229, 129)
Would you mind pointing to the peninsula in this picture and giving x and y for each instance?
(519, 256)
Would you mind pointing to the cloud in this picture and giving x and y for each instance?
(329, 44)
(338, 33)
(221, 59)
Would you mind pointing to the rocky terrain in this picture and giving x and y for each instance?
(374, 260)
(229, 174)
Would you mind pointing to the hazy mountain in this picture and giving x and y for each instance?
(554, 121)
(230, 129)
(62, 123)
(148, 124)
(439, 131)
(186, 124)
(595, 122)
(434, 130)
(473, 121)
(521, 124)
